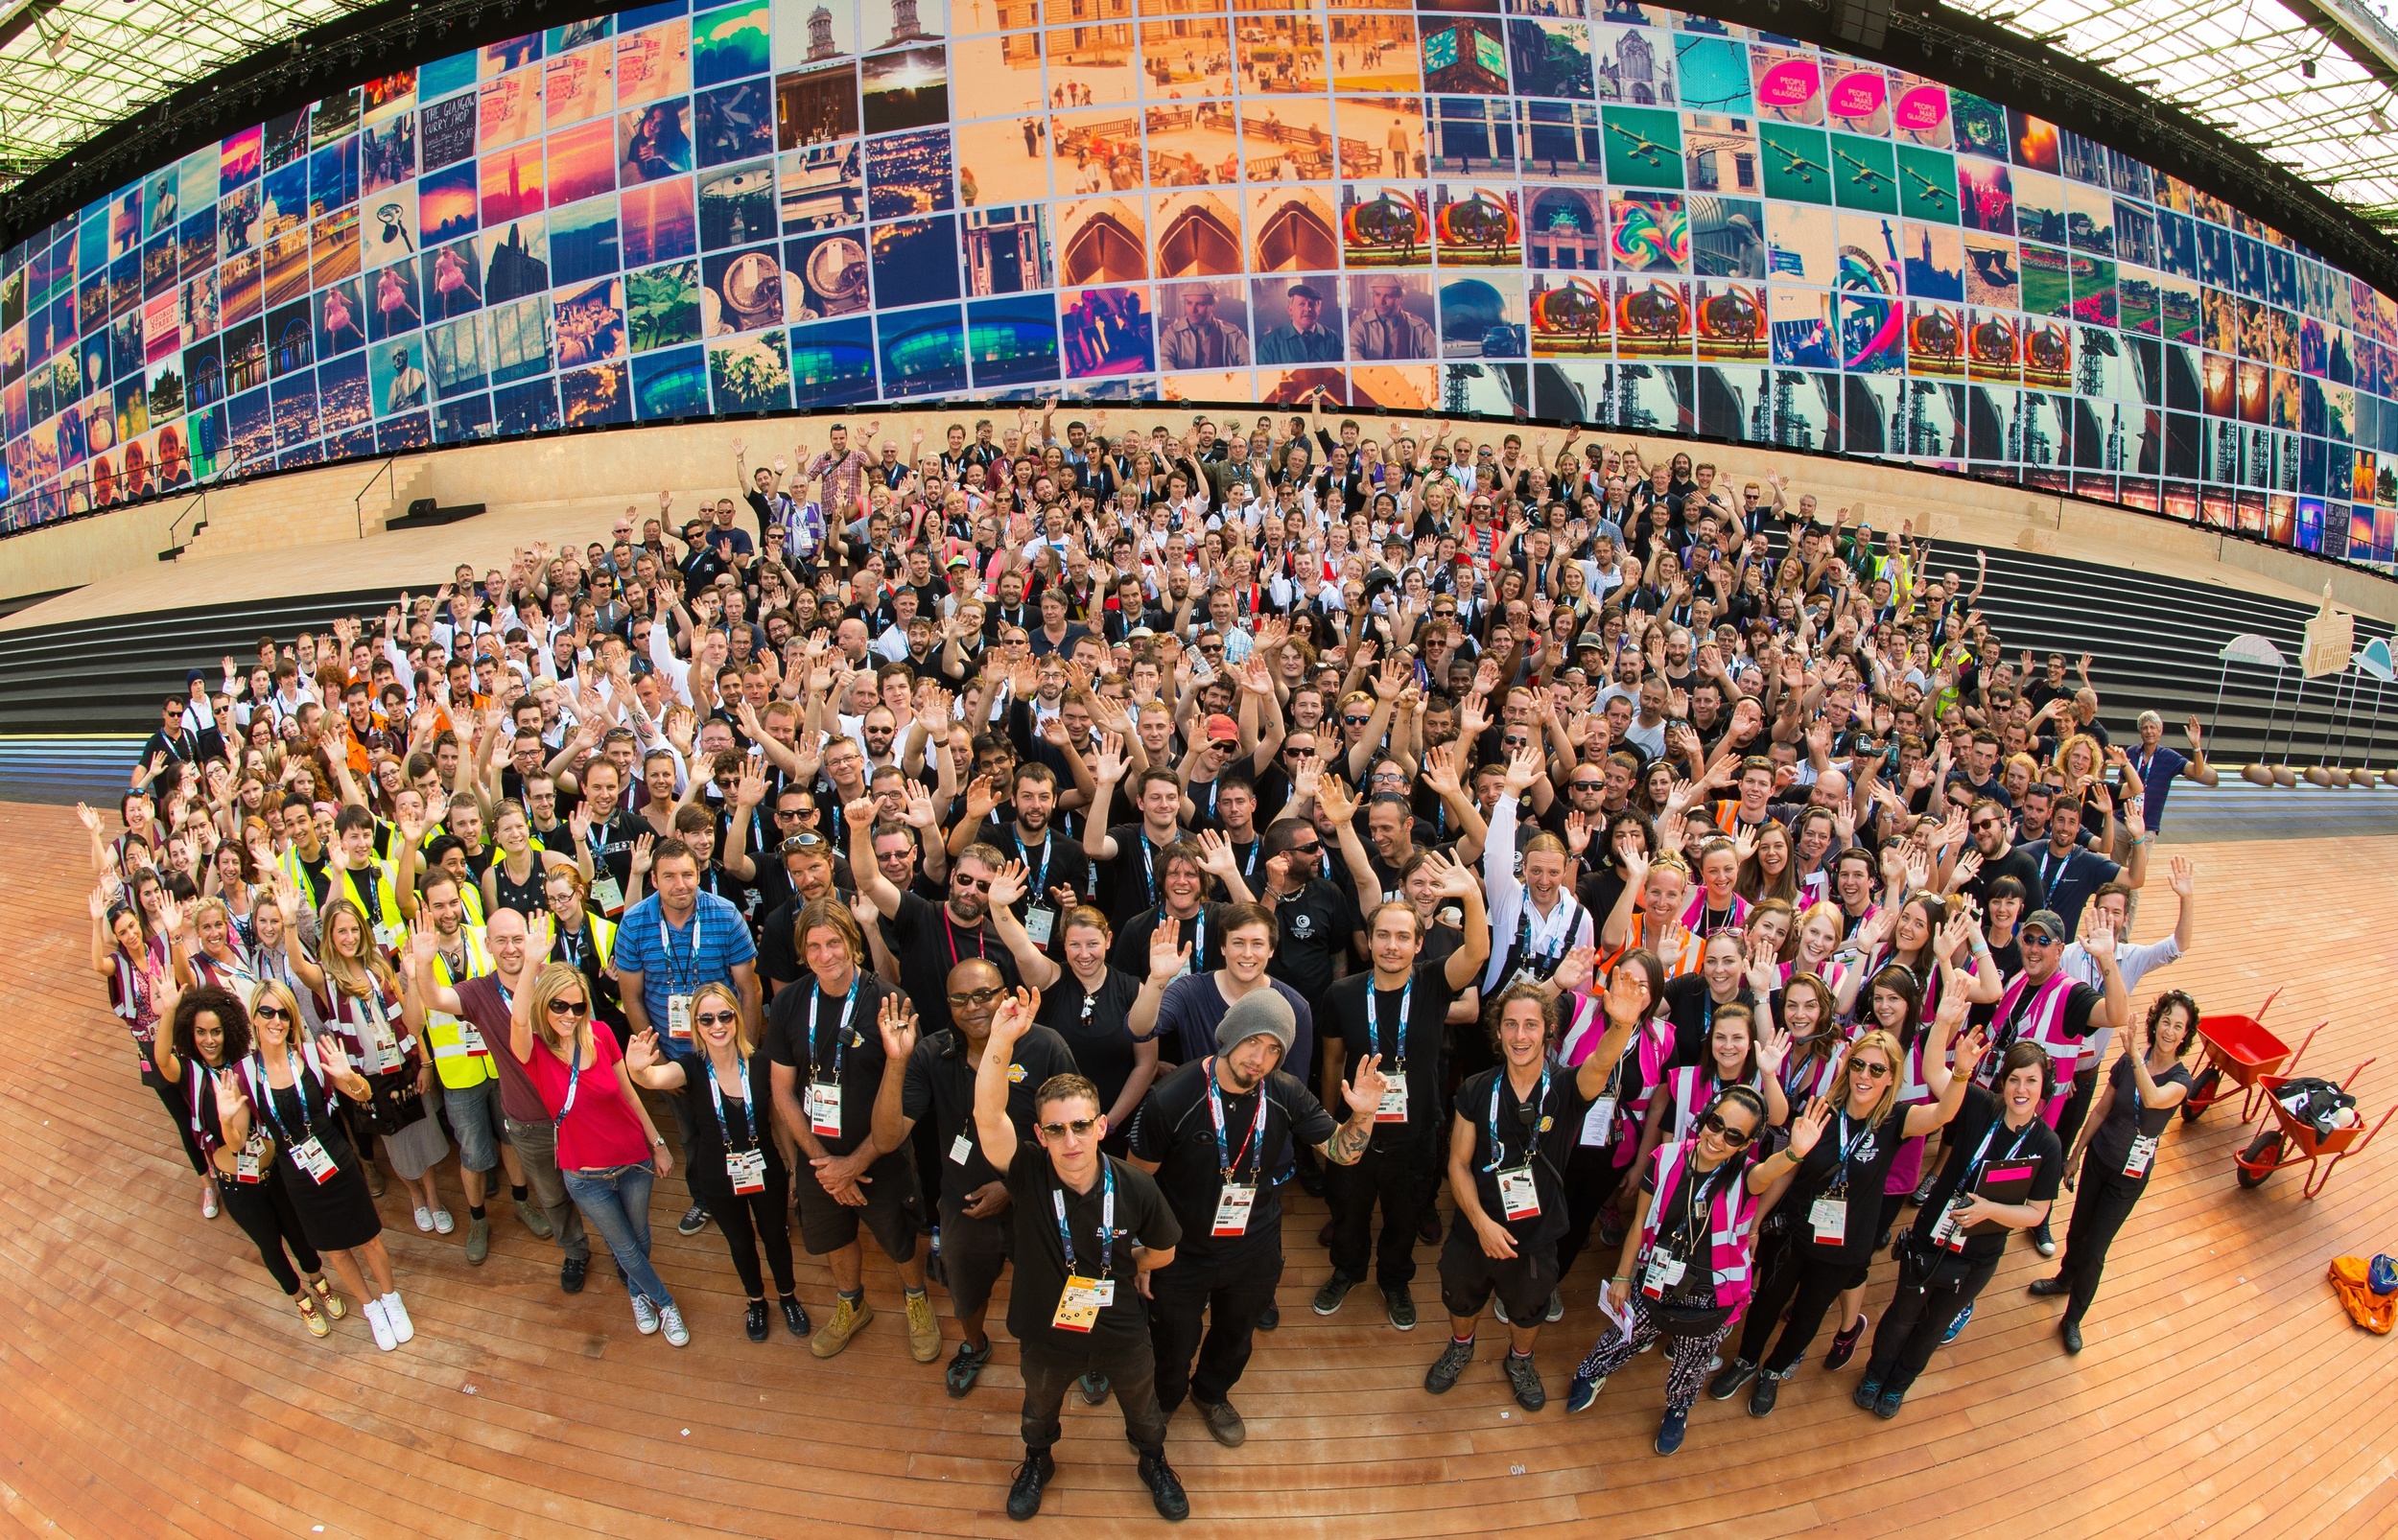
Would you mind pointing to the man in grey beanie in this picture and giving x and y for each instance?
(1208, 1132)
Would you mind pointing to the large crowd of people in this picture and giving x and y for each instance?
(1035, 852)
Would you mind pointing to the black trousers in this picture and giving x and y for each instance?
(1919, 1312)
(2084, 1090)
(264, 1211)
(172, 1097)
(1131, 1366)
(1392, 1174)
(752, 1221)
(2102, 1200)
(1808, 1286)
(1590, 1179)
(1231, 1290)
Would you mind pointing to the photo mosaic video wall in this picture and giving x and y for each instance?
(1629, 217)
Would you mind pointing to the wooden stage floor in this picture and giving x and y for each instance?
(152, 1381)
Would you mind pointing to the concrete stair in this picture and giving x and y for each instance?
(318, 508)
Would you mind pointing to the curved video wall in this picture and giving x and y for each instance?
(1628, 215)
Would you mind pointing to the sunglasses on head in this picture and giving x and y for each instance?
(1079, 1127)
(1713, 1123)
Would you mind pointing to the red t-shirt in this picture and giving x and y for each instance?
(601, 1129)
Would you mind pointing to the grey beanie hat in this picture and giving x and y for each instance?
(1260, 1013)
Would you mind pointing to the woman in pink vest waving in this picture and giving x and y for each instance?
(1685, 1268)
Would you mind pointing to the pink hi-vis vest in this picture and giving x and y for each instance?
(2043, 1022)
(1696, 910)
(1730, 1214)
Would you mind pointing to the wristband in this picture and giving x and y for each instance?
(1620, 1277)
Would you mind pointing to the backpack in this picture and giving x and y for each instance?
(2317, 1103)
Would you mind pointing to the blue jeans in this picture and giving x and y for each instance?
(614, 1202)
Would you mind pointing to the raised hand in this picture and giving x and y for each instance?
(1364, 1094)
(896, 1024)
(1007, 884)
(641, 1051)
(1574, 969)
(1627, 996)
(1334, 797)
(1808, 1125)
(1167, 960)
(1013, 1018)
(1773, 1048)
(1449, 878)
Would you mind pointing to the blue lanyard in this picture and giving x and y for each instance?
(1257, 1130)
(1539, 1100)
(841, 1033)
(716, 1093)
(574, 1080)
(679, 979)
(1373, 1020)
(1040, 878)
(1107, 1220)
(1199, 941)
(1149, 873)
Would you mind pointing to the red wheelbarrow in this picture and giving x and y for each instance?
(2238, 1048)
(2293, 1143)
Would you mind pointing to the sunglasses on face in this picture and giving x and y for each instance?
(1873, 1067)
(570, 1008)
(976, 996)
(269, 1012)
(717, 1019)
(1356, 721)
(1079, 1127)
(1587, 785)
(1713, 1123)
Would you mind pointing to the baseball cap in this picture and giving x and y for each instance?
(1222, 729)
(2046, 921)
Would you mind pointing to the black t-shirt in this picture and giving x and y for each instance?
(1546, 1134)
(814, 1052)
(1415, 1048)
(707, 1141)
(1851, 1161)
(928, 944)
(1202, 934)
(1976, 1140)
(1136, 879)
(1691, 1005)
(778, 959)
(2018, 863)
(941, 1083)
(1062, 864)
(2111, 1142)
(1315, 926)
(1176, 1133)
(1095, 1026)
(1142, 1215)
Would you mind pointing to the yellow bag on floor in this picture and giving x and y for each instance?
(2349, 1278)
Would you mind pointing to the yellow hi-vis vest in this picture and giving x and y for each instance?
(458, 1051)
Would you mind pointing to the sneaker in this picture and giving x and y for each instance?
(645, 1315)
(1269, 1317)
(403, 1329)
(694, 1220)
(327, 1297)
(478, 1241)
(535, 1222)
(1165, 1488)
(1224, 1424)
(571, 1273)
(1499, 1308)
(1730, 1377)
(442, 1222)
(1888, 1407)
(754, 1320)
(1610, 1230)
(312, 1318)
(924, 1333)
(380, 1324)
(849, 1318)
(966, 1368)
(670, 1323)
(2049, 1288)
(2042, 1241)
(1445, 1369)
(1324, 1236)
(1582, 1393)
(1525, 1379)
(1429, 1227)
(1761, 1395)
(1556, 1310)
(1335, 1289)
(2071, 1332)
(1401, 1305)
(1023, 1494)
(1923, 1194)
(208, 1201)
(1956, 1326)
(1844, 1342)
(424, 1219)
(1868, 1394)
(1095, 1389)
(1670, 1431)
(794, 1319)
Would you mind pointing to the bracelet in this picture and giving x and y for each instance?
(1621, 1277)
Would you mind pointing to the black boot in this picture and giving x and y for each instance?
(1165, 1488)
(1023, 1498)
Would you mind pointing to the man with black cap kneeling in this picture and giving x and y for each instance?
(1211, 1130)
(1090, 1231)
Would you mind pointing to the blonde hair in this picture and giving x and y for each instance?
(1887, 1046)
(720, 991)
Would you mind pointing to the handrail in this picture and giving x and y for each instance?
(199, 500)
(358, 503)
